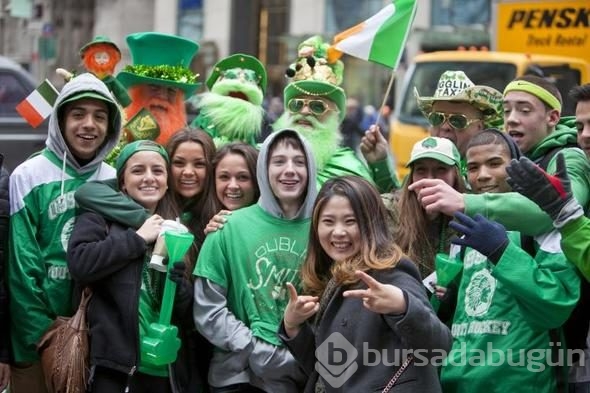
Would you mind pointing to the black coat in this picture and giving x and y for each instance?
(110, 258)
(418, 328)
(4, 219)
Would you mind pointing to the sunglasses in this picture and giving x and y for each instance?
(457, 121)
(317, 107)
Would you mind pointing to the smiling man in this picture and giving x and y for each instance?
(240, 292)
(83, 127)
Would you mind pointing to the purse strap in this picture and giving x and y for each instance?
(398, 374)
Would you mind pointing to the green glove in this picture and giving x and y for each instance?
(552, 193)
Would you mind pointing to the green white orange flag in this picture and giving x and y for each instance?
(39, 104)
(382, 37)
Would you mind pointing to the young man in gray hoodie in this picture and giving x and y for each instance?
(84, 126)
(240, 292)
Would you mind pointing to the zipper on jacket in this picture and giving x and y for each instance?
(129, 376)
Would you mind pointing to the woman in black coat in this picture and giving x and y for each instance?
(365, 309)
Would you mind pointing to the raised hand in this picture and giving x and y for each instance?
(550, 192)
(373, 145)
(378, 297)
(298, 310)
(486, 236)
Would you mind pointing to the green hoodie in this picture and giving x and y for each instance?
(518, 213)
(42, 212)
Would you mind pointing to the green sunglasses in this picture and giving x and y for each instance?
(456, 120)
(317, 107)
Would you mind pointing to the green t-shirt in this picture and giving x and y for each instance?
(253, 257)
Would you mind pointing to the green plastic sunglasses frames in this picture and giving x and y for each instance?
(317, 107)
(456, 120)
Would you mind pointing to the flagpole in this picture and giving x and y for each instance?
(387, 91)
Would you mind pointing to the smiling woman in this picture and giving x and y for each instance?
(358, 284)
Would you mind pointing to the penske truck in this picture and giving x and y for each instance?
(545, 38)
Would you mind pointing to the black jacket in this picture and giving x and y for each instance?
(4, 218)
(370, 332)
(110, 258)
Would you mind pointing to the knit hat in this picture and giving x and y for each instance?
(137, 146)
(316, 74)
(160, 59)
(455, 86)
(440, 149)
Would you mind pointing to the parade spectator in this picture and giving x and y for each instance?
(458, 110)
(419, 233)
(240, 295)
(581, 97)
(234, 166)
(83, 127)
(514, 293)
(127, 295)
(358, 283)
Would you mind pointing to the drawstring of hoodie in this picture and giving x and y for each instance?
(63, 174)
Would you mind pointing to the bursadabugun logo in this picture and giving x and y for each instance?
(336, 360)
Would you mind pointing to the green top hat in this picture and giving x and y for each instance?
(242, 61)
(160, 59)
(99, 39)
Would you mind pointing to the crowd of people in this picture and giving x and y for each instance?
(303, 254)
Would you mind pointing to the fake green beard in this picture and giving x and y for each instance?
(234, 118)
(324, 137)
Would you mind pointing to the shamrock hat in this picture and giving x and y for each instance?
(99, 39)
(243, 62)
(440, 149)
(455, 86)
(160, 59)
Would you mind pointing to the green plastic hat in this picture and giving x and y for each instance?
(99, 39)
(242, 61)
(160, 59)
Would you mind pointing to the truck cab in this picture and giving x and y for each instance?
(494, 69)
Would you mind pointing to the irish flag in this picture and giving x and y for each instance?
(39, 104)
(382, 37)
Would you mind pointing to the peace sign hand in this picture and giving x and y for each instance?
(378, 297)
(298, 310)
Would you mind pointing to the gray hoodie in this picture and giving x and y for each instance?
(267, 199)
(55, 141)
(240, 356)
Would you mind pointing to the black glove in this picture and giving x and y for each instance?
(486, 236)
(184, 288)
(551, 192)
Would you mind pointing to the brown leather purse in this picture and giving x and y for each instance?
(64, 351)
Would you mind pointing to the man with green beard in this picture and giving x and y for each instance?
(315, 106)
